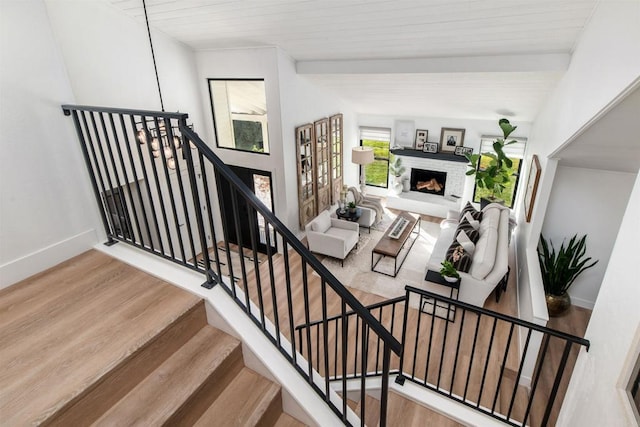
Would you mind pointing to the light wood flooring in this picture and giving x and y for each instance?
(475, 365)
(94, 341)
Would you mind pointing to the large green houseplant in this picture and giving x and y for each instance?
(560, 269)
(496, 175)
(396, 169)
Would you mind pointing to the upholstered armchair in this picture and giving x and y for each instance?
(374, 210)
(331, 236)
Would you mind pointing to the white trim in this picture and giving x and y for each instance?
(42, 259)
(580, 302)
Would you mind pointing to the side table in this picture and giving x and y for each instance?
(435, 277)
(348, 215)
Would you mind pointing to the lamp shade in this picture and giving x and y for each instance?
(362, 155)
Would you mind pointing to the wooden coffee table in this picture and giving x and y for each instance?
(388, 247)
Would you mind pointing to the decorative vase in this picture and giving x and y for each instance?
(484, 201)
(558, 304)
(406, 185)
(450, 279)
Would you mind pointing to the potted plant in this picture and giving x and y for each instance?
(560, 269)
(449, 272)
(396, 168)
(352, 207)
(496, 175)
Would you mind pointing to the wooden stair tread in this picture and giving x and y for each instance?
(404, 412)
(155, 399)
(88, 321)
(246, 401)
(286, 420)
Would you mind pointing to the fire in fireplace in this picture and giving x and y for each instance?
(428, 181)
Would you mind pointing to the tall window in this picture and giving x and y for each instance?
(515, 152)
(377, 173)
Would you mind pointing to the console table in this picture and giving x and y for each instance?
(388, 247)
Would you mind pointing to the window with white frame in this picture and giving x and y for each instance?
(377, 173)
(515, 152)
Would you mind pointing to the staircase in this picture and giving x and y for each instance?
(116, 347)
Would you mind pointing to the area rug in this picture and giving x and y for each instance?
(356, 272)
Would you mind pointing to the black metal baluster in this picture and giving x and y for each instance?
(254, 255)
(90, 169)
(325, 335)
(345, 334)
(455, 360)
(556, 382)
(403, 341)
(195, 194)
(384, 393)
(287, 281)
(335, 355)
(126, 176)
(363, 377)
(486, 363)
(473, 351)
(207, 207)
(111, 189)
(239, 247)
(504, 364)
(444, 345)
(172, 138)
(430, 345)
(172, 202)
(517, 378)
(415, 346)
(220, 182)
(305, 293)
(154, 170)
(355, 358)
(532, 393)
(119, 183)
(147, 185)
(272, 280)
(378, 342)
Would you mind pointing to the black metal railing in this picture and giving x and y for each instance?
(471, 355)
(160, 188)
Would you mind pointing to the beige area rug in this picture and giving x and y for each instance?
(357, 273)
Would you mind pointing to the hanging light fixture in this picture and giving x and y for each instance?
(158, 135)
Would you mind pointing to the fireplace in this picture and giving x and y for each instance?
(428, 181)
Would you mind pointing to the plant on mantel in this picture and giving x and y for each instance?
(560, 269)
(396, 168)
(496, 176)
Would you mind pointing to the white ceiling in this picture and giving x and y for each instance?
(474, 59)
(334, 31)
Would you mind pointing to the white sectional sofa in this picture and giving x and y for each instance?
(490, 257)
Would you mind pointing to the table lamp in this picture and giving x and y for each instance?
(362, 156)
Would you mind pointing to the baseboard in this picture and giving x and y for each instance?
(582, 302)
(28, 265)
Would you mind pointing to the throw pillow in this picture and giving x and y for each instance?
(460, 259)
(466, 242)
(477, 215)
(474, 222)
(472, 233)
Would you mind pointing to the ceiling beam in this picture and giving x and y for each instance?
(552, 62)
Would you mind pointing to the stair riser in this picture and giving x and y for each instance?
(96, 400)
(271, 415)
(210, 389)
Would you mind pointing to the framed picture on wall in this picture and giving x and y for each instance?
(532, 187)
(421, 138)
(404, 132)
(430, 147)
(451, 138)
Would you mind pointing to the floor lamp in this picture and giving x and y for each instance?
(362, 156)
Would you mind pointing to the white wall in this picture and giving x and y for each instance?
(47, 210)
(595, 396)
(302, 103)
(591, 202)
(606, 61)
(291, 101)
(474, 130)
(109, 61)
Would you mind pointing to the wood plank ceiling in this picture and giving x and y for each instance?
(335, 31)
